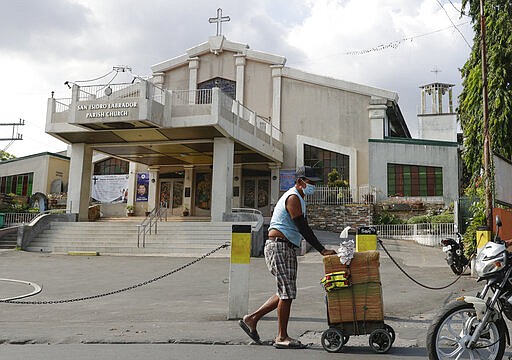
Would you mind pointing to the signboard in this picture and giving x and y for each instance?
(286, 179)
(109, 188)
(142, 187)
(112, 111)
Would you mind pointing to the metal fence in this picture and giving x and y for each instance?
(325, 195)
(426, 234)
(13, 219)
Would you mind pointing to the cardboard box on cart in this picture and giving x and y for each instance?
(362, 301)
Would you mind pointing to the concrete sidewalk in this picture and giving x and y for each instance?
(190, 306)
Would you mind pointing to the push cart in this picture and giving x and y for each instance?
(354, 303)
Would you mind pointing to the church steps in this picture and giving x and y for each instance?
(190, 239)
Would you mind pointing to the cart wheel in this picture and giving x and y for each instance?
(380, 341)
(333, 340)
(391, 332)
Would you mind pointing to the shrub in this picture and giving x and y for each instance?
(420, 219)
(386, 218)
(442, 218)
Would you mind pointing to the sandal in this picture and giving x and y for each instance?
(253, 334)
(290, 344)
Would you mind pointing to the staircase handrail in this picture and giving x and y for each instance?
(150, 221)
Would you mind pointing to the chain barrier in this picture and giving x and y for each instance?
(415, 281)
(51, 302)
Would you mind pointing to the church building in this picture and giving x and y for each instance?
(224, 126)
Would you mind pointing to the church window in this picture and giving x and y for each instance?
(324, 161)
(111, 166)
(414, 180)
(226, 86)
(17, 184)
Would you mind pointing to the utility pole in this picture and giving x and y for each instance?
(16, 135)
(487, 142)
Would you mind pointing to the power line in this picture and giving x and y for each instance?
(395, 44)
(460, 11)
(449, 18)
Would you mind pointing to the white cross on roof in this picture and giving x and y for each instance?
(219, 20)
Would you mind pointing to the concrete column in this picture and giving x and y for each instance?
(237, 184)
(80, 175)
(187, 184)
(378, 118)
(132, 184)
(154, 187)
(222, 183)
(193, 65)
(423, 104)
(274, 185)
(158, 79)
(276, 95)
(240, 77)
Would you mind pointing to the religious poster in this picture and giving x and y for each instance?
(286, 179)
(109, 188)
(142, 187)
(203, 191)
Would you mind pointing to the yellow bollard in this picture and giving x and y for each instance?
(238, 292)
(366, 238)
(241, 244)
(483, 236)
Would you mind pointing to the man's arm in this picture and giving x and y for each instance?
(294, 208)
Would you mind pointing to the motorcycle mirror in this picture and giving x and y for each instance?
(498, 221)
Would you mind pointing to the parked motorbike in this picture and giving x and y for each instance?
(454, 250)
(473, 327)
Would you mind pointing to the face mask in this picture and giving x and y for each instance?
(310, 189)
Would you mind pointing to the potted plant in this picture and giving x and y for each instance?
(186, 212)
(130, 210)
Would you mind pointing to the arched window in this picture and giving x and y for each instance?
(226, 86)
(111, 166)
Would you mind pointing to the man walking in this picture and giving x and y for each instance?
(287, 228)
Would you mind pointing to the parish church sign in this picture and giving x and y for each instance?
(106, 110)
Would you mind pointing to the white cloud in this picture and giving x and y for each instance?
(82, 39)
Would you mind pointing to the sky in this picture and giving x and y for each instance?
(393, 45)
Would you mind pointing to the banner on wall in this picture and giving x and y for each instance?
(286, 179)
(109, 188)
(142, 187)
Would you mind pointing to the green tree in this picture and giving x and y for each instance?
(498, 14)
(5, 156)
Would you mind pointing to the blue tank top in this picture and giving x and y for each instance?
(282, 221)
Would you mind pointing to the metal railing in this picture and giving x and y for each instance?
(120, 91)
(191, 97)
(14, 219)
(62, 105)
(150, 222)
(325, 195)
(426, 234)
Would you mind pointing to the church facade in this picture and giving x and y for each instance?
(223, 126)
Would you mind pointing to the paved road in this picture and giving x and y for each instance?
(190, 306)
(192, 352)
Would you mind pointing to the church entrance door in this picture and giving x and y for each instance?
(171, 194)
(256, 192)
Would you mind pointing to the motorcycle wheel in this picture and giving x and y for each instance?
(457, 268)
(451, 330)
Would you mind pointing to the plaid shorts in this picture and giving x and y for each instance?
(281, 261)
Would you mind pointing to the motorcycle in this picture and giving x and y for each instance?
(473, 327)
(454, 250)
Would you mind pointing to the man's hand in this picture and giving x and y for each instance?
(326, 252)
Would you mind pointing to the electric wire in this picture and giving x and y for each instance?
(101, 77)
(394, 44)
(456, 28)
